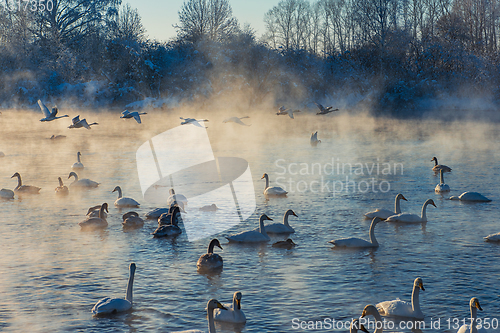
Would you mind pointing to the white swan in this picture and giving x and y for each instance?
(252, 236)
(156, 213)
(272, 191)
(124, 201)
(211, 306)
(81, 183)
(96, 222)
(358, 242)
(24, 189)
(49, 116)
(283, 111)
(232, 312)
(323, 110)
(493, 237)
(471, 196)
(131, 220)
(179, 199)
(399, 308)
(314, 139)
(370, 310)
(281, 228)
(236, 120)
(171, 229)
(193, 121)
(474, 305)
(61, 189)
(95, 211)
(210, 260)
(209, 208)
(77, 123)
(78, 165)
(286, 244)
(385, 213)
(412, 218)
(442, 187)
(136, 115)
(109, 305)
(6, 194)
(438, 166)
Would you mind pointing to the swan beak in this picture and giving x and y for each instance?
(220, 247)
(238, 303)
(363, 314)
(295, 214)
(220, 306)
(432, 203)
(478, 306)
(403, 197)
(260, 177)
(422, 286)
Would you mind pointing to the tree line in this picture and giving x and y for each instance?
(391, 54)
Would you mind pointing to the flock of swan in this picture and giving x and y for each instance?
(168, 226)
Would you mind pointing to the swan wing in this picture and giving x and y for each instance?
(75, 120)
(248, 237)
(278, 228)
(230, 315)
(396, 307)
(351, 242)
(380, 213)
(212, 260)
(44, 109)
(111, 305)
(137, 117)
(404, 217)
(275, 191)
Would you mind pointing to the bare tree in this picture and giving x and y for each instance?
(212, 19)
(128, 24)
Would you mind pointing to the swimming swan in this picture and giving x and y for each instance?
(61, 189)
(95, 211)
(6, 194)
(124, 201)
(471, 196)
(281, 228)
(109, 305)
(24, 189)
(78, 165)
(385, 213)
(232, 312)
(474, 305)
(180, 199)
(272, 191)
(136, 115)
(211, 260)
(399, 308)
(442, 187)
(100, 222)
(49, 116)
(131, 220)
(412, 218)
(370, 310)
(252, 236)
(82, 183)
(286, 244)
(211, 306)
(236, 120)
(314, 139)
(438, 166)
(358, 242)
(171, 229)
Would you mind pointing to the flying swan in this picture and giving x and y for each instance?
(49, 116)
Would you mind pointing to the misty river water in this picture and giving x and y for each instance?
(52, 273)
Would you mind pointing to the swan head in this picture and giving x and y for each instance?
(265, 217)
(237, 297)
(214, 304)
(474, 303)
(400, 196)
(431, 202)
(72, 173)
(434, 159)
(290, 241)
(16, 175)
(129, 214)
(117, 188)
(291, 212)
(132, 267)
(104, 207)
(419, 283)
(264, 176)
(171, 191)
(369, 310)
(215, 242)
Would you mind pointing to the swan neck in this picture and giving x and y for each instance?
(285, 218)
(60, 182)
(78, 157)
(441, 176)
(211, 247)
(130, 286)
(235, 304)
(424, 212)
(378, 318)
(415, 299)
(74, 175)
(267, 181)
(119, 192)
(397, 206)
(473, 317)
(211, 323)
(373, 240)
(262, 228)
(19, 181)
(101, 212)
(435, 161)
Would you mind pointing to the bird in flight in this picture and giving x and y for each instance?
(193, 121)
(282, 111)
(77, 123)
(136, 115)
(323, 110)
(49, 116)
(236, 120)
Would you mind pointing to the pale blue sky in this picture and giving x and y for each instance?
(158, 16)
